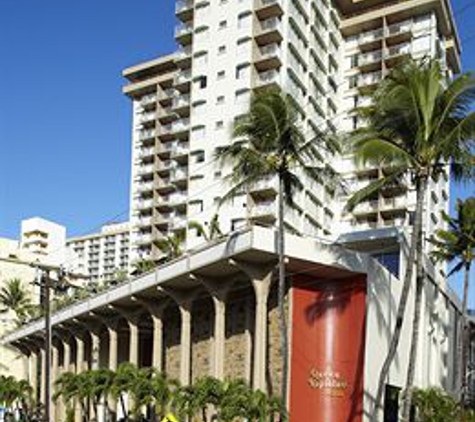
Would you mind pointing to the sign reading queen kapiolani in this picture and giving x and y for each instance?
(329, 382)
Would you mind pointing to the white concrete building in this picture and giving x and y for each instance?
(325, 54)
(100, 256)
(44, 238)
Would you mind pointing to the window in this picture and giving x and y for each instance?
(220, 100)
(242, 96)
(242, 71)
(201, 82)
(353, 81)
(217, 174)
(222, 49)
(244, 20)
(221, 75)
(219, 124)
(223, 24)
(200, 157)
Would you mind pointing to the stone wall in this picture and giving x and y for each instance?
(171, 341)
(202, 338)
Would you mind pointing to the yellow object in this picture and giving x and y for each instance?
(170, 417)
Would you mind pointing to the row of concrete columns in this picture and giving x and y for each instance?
(261, 281)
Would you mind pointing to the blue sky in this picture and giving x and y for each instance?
(64, 124)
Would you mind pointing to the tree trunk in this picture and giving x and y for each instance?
(465, 335)
(124, 410)
(281, 293)
(421, 187)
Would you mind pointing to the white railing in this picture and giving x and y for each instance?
(370, 36)
(145, 204)
(148, 99)
(399, 49)
(145, 186)
(181, 124)
(181, 101)
(269, 76)
(182, 30)
(147, 117)
(145, 152)
(145, 169)
(369, 78)
(183, 76)
(368, 58)
(270, 24)
(264, 208)
(176, 198)
(399, 28)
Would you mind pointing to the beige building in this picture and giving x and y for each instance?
(15, 263)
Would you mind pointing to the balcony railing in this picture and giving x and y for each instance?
(268, 77)
(183, 5)
(369, 78)
(145, 169)
(183, 30)
(148, 99)
(147, 134)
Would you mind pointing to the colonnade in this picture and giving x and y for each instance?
(73, 334)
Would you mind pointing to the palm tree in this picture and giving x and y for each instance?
(270, 143)
(67, 388)
(143, 266)
(162, 391)
(101, 381)
(16, 392)
(207, 391)
(458, 244)
(213, 232)
(15, 298)
(418, 123)
(171, 246)
(124, 382)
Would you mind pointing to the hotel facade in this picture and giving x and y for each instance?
(213, 310)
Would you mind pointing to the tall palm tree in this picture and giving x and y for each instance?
(418, 124)
(269, 142)
(15, 298)
(458, 244)
(171, 246)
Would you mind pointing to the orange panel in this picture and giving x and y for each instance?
(328, 346)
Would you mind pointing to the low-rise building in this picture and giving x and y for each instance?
(213, 311)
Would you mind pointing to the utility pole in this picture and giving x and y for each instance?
(46, 284)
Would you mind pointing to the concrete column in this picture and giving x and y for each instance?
(54, 376)
(66, 356)
(260, 277)
(133, 340)
(157, 346)
(113, 344)
(261, 290)
(219, 337)
(185, 343)
(33, 372)
(95, 349)
(43, 376)
(78, 413)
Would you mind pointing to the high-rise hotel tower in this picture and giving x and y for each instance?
(325, 54)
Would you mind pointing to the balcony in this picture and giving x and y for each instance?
(182, 79)
(270, 78)
(148, 100)
(184, 10)
(180, 127)
(366, 208)
(145, 169)
(267, 57)
(177, 199)
(180, 150)
(165, 96)
(178, 175)
(370, 61)
(144, 221)
(184, 34)
(264, 211)
(145, 204)
(268, 31)
(370, 37)
(183, 57)
(394, 54)
(146, 152)
(144, 239)
(181, 104)
(399, 32)
(268, 8)
(368, 80)
(164, 185)
(178, 223)
(148, 117)
(145, 187)
(265, 188)
(147, 134)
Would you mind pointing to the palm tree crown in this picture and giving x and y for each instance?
(15, 298)
(418, 124)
